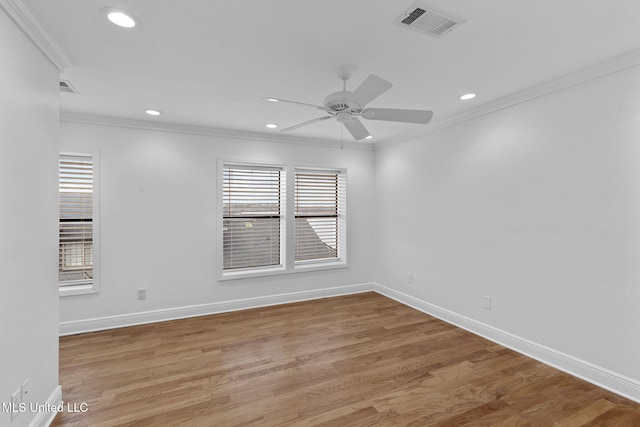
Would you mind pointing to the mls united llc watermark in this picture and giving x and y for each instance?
(34, 407)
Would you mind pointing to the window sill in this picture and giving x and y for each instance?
(319, 265)
(72, 290)
(265, 272)
(252, 272)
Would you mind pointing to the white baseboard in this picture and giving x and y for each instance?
(601, 377)
(45, 418)
(120, 321)
(612, 381)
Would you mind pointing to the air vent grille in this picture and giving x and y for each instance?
(427, 20)
(65, 86)
(417, 13)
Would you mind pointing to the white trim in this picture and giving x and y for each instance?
(30, 24)
(92, 119)
(83, 289)
(140, 318)
(44, 419)
(601, 377)
(601, 69)
(246, 273)
(319, 264)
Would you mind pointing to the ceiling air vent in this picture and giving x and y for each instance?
(65, 86)
(425, 19)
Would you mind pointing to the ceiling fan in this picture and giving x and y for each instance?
(347, 106)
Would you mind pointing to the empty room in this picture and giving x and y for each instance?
(320, 213)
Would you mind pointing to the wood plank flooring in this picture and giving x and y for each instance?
(357, 360)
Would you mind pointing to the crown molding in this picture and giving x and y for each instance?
(93, 119)
(601, 69)
(30, 24)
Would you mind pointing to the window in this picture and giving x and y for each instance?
(278, 220)
(252, 204)
(77, 224)
(78, 256)
(316, 211)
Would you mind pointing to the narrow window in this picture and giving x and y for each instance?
(319, 219)
(76, 221)
(252, 207)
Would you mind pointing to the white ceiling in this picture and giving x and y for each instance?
(211, 62)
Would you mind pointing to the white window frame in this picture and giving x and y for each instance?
(287, 225)
(92, 286)
(341, 259)
(249, 271)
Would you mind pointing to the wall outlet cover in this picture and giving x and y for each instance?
(486, 303)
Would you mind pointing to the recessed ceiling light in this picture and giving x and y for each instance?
(368, 137)
(468, 96)
(272, 99)
(119, 17)
(153, 112)
(272, 125)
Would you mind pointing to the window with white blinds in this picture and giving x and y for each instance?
(252, 207)
(76, 225)
(318, 207)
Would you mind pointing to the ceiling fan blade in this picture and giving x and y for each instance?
(398, 115)
(319, 119)
(370, 89)
(357, 129)
(294, 102)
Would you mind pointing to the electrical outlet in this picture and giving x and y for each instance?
(142, 293)
(487, 303)
(409, 277)
(24, 391)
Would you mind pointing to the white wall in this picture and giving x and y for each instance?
(158, 217)
(28, 214)
(537, 206)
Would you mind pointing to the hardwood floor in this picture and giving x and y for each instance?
(357, 360)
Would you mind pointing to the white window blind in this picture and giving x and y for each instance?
(75, 255)
(252, 203)
(317, 215)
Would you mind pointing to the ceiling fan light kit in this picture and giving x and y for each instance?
(346, 107)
